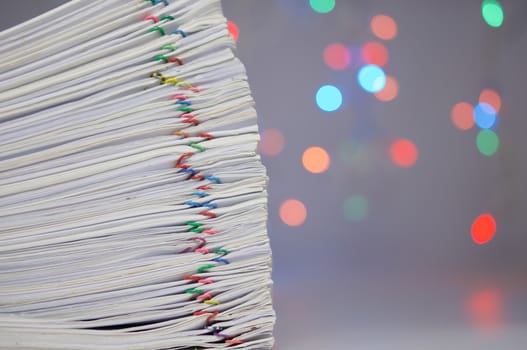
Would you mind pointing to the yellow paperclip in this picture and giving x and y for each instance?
(184, 84)
(169, 80)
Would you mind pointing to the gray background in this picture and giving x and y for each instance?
(409, 275)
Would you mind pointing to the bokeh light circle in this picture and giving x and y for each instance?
(390, 90)
(337, 56)
(484, 115)
(483, 228)
(322, 6)
(492, 98)
(488, 142)
(375, 53)
(404, 153)
(328, 98)
(372, 78)
(356, 208)
(293, 212)
(492, 13)
(485, 309)
(462, 115)
(233, 30)
(384, 27)
(271, 142)
(316, 160)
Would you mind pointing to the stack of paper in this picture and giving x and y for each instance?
(133, 203)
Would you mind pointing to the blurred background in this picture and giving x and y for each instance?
(393, 134)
